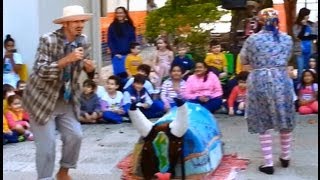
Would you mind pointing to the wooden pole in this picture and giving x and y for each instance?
(128, 5)
(279, 6)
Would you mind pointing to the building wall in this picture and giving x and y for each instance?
(113, 4)
(50, 10)
(27, 20)
(21, 20)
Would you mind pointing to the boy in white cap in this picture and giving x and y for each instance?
(52, 92)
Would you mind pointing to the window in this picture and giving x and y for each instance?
(310, 4)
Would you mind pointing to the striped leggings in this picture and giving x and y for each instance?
(266, 146)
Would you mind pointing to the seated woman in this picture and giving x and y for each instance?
(12, 62)
(172, 87)
(203, 87)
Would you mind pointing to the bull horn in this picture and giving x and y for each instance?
(180, 125)
(140, 122)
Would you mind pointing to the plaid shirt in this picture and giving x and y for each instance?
(44, 85)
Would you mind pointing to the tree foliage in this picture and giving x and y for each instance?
(181, 20)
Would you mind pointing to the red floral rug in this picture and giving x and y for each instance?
(227, 170)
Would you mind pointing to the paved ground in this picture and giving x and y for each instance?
(105, 145)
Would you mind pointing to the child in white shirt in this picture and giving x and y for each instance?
(112, 102)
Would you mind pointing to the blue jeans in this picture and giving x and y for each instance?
(118, 65)
(112, 117)
(212, 105)
(156, 110)
(10, 138)
(300, 65)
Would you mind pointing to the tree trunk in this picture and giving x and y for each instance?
(291, 8)
(236, 24)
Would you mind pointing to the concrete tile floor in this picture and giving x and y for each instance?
(105, 145)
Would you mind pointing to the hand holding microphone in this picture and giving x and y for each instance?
(76, 55)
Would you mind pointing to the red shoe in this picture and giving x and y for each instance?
(163, 176)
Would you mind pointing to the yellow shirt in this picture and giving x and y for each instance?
(5, 105)
(132, 63)
(218, 61)
(238, 65)
(6, 128)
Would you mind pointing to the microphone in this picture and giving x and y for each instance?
(79, 45)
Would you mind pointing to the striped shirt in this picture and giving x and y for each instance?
(168, 92)
(44, 84)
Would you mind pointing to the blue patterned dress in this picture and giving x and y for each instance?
(270, 102)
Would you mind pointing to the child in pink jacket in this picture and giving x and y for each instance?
(17, 118)
(203, 87)
(308, 93)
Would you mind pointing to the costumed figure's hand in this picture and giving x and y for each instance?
(133, 105)
(179, 101)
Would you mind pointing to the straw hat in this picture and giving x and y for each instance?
(73, 13)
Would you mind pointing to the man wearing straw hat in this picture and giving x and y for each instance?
(52, 92)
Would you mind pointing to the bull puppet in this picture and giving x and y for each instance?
(183, 143)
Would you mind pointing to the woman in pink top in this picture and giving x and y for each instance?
(203, 87)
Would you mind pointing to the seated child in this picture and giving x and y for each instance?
(20, 87)
(236, 100)
(183, 61)
(8, 90)
(100, 89)
(308, 93)
(216, 60)
(17, 118)
(112, 101)
(8, 135)
(133, 60)
(313, 63)
(144, 70)
(232, 82)
(89, 101)
(138, 93)
(293, 76)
